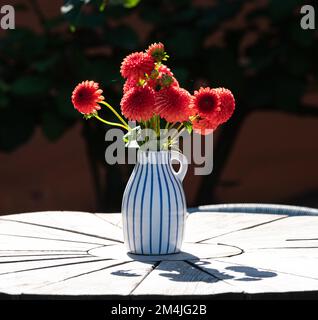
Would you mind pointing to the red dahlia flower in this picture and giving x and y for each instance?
(204, 126)
(172, 104)
(206, 104)
(129, 84)
(136, 65)
(138, 103)
(212, 108)
(227, 103)
(163, 78)
(86, 97)
(156, 51)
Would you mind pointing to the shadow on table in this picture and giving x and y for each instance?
(186, 267)
(189, 273)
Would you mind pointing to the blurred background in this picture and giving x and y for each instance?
(52, 159)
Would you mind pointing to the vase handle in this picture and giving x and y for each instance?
(182, 159)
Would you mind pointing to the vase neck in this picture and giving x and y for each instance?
(153, 157)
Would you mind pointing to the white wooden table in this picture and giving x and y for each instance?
(79, 254)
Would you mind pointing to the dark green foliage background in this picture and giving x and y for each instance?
(39, 70)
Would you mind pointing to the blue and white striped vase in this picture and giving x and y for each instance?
(154, 206)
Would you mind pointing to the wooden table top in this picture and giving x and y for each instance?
(81, 255)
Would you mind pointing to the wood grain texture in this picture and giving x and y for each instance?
(82, 254)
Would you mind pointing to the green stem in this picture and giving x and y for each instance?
(158, 126)
(177, 136)
(180, 126)
(172, 125)
(116, 114)
(111, 123)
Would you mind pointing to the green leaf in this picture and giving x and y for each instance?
(188, 126)
(4, 87)
(46, 64)
(304, 38)
(4, 100)
(53, 126)
(30, 85)
(130, 3)
(222, 11)
(182, 74)
(91, 20)
(123, 37)
(224, 69)
(182, 43)
(64, 105)
(16, 128)
(280, 9)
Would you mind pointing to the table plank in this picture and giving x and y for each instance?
(253, 280)
(73, 222)
(54, 273)
(22, 243)
(113, 218)
(34, 231)
(286, 233)
(301, 261)
(181, 278)
(207, 225)
(117, 280)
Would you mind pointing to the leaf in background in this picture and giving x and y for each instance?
(64, 105)
(70, 5)
(224, 69)
(280, 9)
(17, 132)
(53, 125)
(101, 70)
(130, 3)
(304, 38)
(123, 37)
(4, 87)
(182, 74)
(182, 42)
(223, 10)
(30, 85)
(91, 20)
(45, 64)
(23, 45)
(4, 101)
(125, 3)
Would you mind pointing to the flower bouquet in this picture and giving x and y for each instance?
(154, 206)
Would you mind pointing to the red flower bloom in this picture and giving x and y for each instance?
(86, 97)
(213, 107)
(164, 78)
(136, 65)
(204, 126)
(227, 103)
(206, 104)
(156, 51)
(172, 104)
(138, 103)
(163, 69)
(129, 84)
(164, 72)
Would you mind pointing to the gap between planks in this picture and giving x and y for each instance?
(242, 229)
